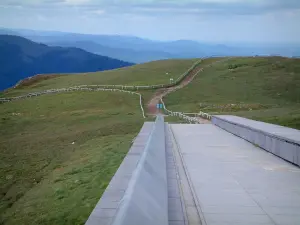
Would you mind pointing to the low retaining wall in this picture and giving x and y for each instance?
(146, 199)
(281, 141)
(137, 194)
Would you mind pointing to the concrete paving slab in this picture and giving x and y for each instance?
(236, 182)
(99, 220)
(287, 219)
(238, 219)
(176, 223)
(175, 207)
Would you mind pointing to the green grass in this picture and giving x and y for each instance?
(265, 89)
(142, 74)
(45, 179)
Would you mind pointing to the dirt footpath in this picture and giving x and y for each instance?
(160, 93)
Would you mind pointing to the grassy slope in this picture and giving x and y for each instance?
(142, 74)
(45, 179)
(266, 89)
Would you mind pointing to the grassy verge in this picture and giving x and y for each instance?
(59, 152)
(260, 88)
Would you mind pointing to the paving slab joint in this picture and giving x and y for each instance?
(191, 186)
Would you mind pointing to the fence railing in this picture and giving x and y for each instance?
(179, 114)
(145, 87)
(149, 87)
(184, 116)
(73, 89)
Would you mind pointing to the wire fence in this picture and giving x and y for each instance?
(61, 90)
(184, 115)
(146, 87)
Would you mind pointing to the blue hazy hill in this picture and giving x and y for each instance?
(21, 58)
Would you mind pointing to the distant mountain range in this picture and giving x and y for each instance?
(21, 58)
(138, 50)
(131, 55)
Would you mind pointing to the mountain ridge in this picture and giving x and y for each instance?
(141, 50)
(21, 58)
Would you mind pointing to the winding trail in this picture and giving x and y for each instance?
(160, 93)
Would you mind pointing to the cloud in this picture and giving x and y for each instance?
(160, 8)
(41, 18)
(161, 19)
(76, 2)
(234, 6)
(99, 12)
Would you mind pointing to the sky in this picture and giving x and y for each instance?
(217, 21)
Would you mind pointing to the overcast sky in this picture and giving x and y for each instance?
(218, 21)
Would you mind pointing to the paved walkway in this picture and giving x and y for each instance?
(236, 183)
